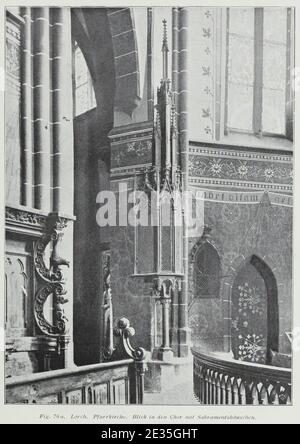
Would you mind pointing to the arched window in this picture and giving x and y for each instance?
(84, 94)
(207, 272)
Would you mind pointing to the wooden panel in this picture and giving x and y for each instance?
(102, 394)
(75, 397)
(120, 392)
(18, 289)
(50, 400)
(83, 385)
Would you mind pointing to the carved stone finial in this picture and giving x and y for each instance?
(123, 328)
(206, 231)
(124, 350)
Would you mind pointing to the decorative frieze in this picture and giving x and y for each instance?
(24, 218)
(223, 152)
(246, 170)
(207, 182)
(132, 153)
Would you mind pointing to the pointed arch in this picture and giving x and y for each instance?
(268, 308)
(207, 270)
(107, 38)
(272, 303)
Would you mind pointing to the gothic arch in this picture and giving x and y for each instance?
(272, 296)
(206, 267)
(272, 293)
(126, 59)
(107, 38)
(205, 239)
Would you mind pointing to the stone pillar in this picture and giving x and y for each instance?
(165, 353)
(174, 319)
(62, 108)
(26, 111)
(166, 302)
(41, 107)
(183, 330)
(47, 147)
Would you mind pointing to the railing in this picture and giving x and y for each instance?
(222, 381)
(120, 381)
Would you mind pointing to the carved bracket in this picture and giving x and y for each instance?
(124, 349)
(52, 277)
(53, 233)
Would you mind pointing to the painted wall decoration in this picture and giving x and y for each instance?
(239, 231)
(131, 295)
(266, 170)
(203, 23)
(131, 149)
(249, 317)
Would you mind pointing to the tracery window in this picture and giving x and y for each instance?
(259, 63)
(84, 94)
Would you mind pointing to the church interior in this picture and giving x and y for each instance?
(176, 100)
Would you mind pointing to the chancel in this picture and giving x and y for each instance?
(123, 125)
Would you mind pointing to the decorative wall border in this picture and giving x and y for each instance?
(129, 171)
(245, 155)
(131, 149)
(128, 133)
(232, 167)
(27, 218)
(196, 181)
(22, 218)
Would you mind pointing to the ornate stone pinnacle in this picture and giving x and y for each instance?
(173, 118)
(165, 34)
(165, 51)
(157, 120)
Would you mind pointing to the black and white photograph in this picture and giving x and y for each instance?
(149, 205)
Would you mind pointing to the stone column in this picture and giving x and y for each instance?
(26, 110)
(174, 319)
(41, 107)
(165, 353)
(62, 108)
(183, 330)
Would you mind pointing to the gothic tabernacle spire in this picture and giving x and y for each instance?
(165, 132)
(165, 52)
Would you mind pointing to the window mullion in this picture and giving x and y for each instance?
(289, 79)
(226, 123)
(258, 71)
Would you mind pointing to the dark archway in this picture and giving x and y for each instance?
(273, 306)
(91, 31)
(207, 272)
(107, 40)
(255, 313)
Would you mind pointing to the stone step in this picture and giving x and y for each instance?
(169, 383)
